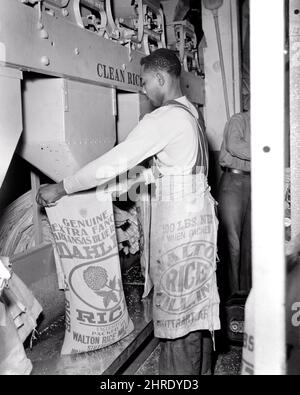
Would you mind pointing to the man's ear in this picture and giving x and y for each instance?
(160, 78)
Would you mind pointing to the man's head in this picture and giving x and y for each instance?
(161, 75)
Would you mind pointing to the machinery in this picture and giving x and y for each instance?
(95, 46)
(138, 23)
(181, 35)
(71, 89)
(185, 43)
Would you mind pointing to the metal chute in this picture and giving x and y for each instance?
(66, 125)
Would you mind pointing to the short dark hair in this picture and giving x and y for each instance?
(163, 59)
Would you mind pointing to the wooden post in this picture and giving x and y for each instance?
(295, 113)
(267, 128)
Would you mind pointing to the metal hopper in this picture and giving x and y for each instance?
(66, 124)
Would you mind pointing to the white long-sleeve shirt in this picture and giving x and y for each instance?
(169, 133)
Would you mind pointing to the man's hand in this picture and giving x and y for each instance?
(49, 194)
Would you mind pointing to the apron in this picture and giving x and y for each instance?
(183, 251)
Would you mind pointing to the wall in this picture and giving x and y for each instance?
(215, 112)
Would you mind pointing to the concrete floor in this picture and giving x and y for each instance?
(45, 354)
(46, 357)
(228, 364)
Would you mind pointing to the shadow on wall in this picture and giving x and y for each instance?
(17, 181)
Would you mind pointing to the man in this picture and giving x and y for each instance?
(183, 232)
(235, 205)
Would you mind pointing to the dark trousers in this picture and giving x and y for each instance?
(234, 239)
(189, 355)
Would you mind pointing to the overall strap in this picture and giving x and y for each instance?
(202, 155)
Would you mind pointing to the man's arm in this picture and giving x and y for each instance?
(146, 140)
(236, 144)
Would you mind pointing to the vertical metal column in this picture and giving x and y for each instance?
(267, 117)
(10, 116)
(295, 113)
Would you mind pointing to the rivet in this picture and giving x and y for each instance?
(50, 12)
(44, 34)
(45, 60)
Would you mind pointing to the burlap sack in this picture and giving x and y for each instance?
(13, 360)
(183, 257)
(96, 312)
(22, 306)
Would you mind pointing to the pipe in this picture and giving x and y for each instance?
(232, 60)
(213, 6)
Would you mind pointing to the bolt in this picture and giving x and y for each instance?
(44, 34)
(50, 12)
(45, 60)
(65, 12)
